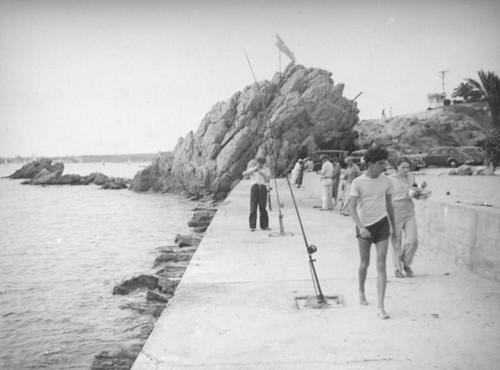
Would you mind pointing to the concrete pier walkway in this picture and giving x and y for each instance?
(237, 305)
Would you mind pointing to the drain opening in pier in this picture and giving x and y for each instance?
(312, 302)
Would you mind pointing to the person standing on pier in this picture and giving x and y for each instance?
(372, 212)
(327, 183)
(299, 169)
(405, 243)
(351, 172)
(309, 165)
(336, 178)
(260, 176)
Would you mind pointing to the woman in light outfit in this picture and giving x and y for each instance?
(405, 242)
(352, 171)
(326, 182)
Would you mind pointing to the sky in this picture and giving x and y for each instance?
(115, 77)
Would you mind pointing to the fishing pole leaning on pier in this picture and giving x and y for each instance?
(310, 250)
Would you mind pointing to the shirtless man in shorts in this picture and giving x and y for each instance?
(371, 210)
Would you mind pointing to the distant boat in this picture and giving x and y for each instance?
(128, 163)
(103, 163)
(5, 161)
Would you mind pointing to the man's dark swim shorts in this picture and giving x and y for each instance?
(380, 231)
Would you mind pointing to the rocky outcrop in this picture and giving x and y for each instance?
(283, 119)
(183, 241)
(138, 282)
(171, 257)
(455, 125)
(115, 184)
(42, 172)
(96, 178)
(201, 220)
(120, 360)
(32, 169)
(54, 178)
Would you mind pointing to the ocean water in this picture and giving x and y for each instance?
(62, 250)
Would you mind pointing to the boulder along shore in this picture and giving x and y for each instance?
(157, 286)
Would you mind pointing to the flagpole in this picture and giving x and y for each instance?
(251, 69)
(279, 58)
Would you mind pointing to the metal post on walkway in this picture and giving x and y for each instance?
(282, 229)
(269, 188)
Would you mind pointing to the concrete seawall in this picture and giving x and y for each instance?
(469, 235)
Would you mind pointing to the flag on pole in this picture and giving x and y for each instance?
(284, 49)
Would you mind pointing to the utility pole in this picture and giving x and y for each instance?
(442, 79)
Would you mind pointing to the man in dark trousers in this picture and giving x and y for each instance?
(260, 176)
(335, 177)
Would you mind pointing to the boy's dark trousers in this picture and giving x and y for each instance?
(258, 197)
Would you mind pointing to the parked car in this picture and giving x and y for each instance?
(478, 154)
(340, 154)
(394, 155)
(415, 162)
(446, 156)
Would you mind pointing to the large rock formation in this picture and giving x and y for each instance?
(298, 111)
(455, 125)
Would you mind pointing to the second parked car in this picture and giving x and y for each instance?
(478, 154)
(444, 156)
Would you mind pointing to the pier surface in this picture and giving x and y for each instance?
(242, 303)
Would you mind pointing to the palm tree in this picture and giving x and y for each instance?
(490, 88)
(467, 92)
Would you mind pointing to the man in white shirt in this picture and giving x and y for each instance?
(371, 210)
(260, 176)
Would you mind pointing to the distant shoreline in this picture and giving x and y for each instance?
(88, 158)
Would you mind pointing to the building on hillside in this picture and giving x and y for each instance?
(436, 100)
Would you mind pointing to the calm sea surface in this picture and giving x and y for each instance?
(62, 250)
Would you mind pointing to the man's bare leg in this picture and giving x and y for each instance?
(364, 254)
(382, 247)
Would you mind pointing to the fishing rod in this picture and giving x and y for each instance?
(357, 96)
(269, 188)
(310, 250)
(263, 106)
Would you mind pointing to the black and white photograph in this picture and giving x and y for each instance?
(233, 184)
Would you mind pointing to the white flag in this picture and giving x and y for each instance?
(284, 49)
